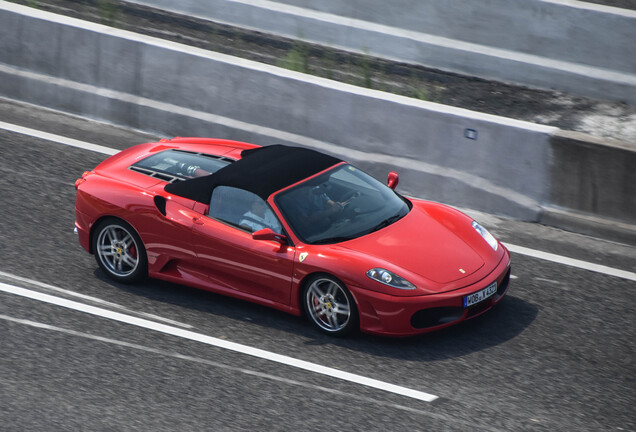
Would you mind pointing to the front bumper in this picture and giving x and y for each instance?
(388, 315)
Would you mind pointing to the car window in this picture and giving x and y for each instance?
(243, 209)
(175, 164)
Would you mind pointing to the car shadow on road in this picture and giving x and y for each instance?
(504, 322)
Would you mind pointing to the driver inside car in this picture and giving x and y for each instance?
(315, 205)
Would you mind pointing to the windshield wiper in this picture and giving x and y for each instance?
(386, 222)
(333, 240)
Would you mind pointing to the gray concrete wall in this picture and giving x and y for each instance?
(570, 46)
(556, 30)
(592, 176)
(172, 89)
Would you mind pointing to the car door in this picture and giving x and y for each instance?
(232, 258)
(165, 225)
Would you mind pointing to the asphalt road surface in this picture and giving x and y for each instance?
(79, 352)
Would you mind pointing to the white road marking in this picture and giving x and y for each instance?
(513, 248)
(623, 274)
(90, 298)
(58, 139)
(220, 343)
(206, 362)
(313, 387)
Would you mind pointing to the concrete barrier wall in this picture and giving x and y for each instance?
(571, 31)
(570, 46)
(456, 156)
(593, 176)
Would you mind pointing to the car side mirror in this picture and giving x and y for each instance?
(393, 180)
(269, 234)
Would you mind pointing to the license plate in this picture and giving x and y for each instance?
(480, 295)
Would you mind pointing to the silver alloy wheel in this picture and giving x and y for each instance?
(328, 305)
(117, 250)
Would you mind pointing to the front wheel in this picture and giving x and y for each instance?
(119, 251)
(330, 306)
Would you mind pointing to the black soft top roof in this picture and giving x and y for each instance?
(263, 171)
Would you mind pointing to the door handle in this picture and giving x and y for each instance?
(197, 220)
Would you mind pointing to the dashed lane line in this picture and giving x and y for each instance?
(585, 265)
(58, 139)
(89, 299)
(220, 343)
(215, 364)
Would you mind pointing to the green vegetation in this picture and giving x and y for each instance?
(297, 59)
(365, 65)
(329, 60)
(420, 93)
(107, 10)
(417, 91)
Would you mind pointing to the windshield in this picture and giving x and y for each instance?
(341, 204)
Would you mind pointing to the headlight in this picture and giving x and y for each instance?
(389, 278)
(486, 235)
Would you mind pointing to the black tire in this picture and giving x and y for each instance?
(119, 251)
(330, 306)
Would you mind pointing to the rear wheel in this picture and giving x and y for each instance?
(330, 306)
(119, 251)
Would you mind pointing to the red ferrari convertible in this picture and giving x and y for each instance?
(290, 228)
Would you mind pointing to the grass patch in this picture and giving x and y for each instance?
(297, 59)
(107, 10)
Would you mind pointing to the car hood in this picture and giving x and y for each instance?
(420, 244)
